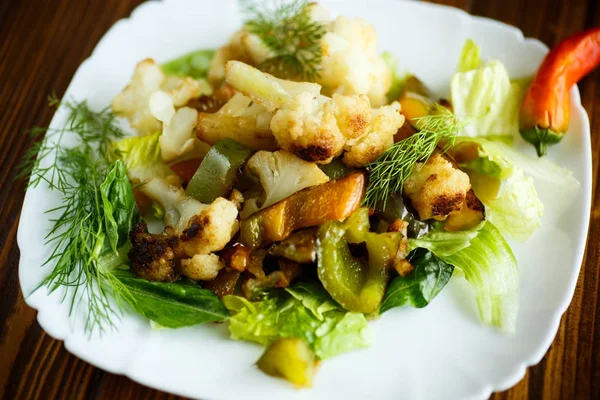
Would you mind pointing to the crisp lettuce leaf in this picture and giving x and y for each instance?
(489, 265)
(517, 210)
(142, 157)
(195, 64)
(487, 99)
(469, 58)
(443, 242)
(304, 311)
(507, 158)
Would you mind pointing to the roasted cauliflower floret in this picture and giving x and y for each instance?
(194, 231)
(133, 101)
(315, 127)
(240, 119)
(350, 63)
(154, 257)
(203, 228)
(201, 267)
(471, 214)
(385, 123)
(178, 140)
(436, 188)
(281, 174)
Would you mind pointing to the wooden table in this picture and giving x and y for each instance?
(41, 45)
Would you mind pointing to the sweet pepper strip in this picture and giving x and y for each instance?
(218, 171)
(356, 284)
(546, 108)
(334, 200)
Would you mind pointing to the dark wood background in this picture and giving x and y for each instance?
(41, 45)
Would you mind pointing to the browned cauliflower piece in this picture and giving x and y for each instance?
(437, 188)
(193, 229)
(315, 127)
(385, 124)
(471, 214)
(154, 257)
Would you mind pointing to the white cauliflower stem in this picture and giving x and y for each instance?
(240, 119)
(315, 127)
(281, 174)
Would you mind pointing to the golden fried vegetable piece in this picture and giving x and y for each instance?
(334, 200)
(225, 282)
(300, 247)
(471, 214)
(291, 359)
(437, 188)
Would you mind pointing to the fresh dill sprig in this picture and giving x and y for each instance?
(78, 232)
(388, 173)
(288, 30)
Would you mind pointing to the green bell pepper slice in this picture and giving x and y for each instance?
(356, 284)
(218, 172)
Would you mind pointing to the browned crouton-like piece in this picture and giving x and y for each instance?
(437, 188)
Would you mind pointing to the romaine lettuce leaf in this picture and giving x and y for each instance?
(507, 158)
(489, 265)
(142, 157)
(517, 210)
(484, 95)
(304, 311)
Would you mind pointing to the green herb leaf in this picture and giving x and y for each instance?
(288, 30)
(119, 205)
(489, 265)
(389, 172)
(419, 287)
(195, 64)
(82, 232)
(173, 305)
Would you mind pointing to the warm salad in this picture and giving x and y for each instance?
(294, 185)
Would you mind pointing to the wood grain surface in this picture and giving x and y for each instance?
(41, 45)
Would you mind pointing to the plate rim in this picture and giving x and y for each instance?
(556, 315)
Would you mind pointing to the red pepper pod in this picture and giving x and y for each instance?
(545, 111)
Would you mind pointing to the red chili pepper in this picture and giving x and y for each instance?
(546, 108)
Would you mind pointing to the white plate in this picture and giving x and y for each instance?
(441, 351)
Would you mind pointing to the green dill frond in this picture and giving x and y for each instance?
(287, 29)
(388, 173)
(77, 235)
